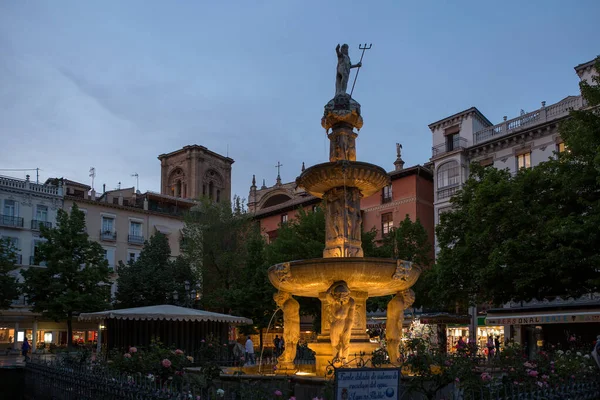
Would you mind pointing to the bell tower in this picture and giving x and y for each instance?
(194, 172)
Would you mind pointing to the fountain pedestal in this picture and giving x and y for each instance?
(343, 279)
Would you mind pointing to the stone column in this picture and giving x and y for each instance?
(34, 336)
(15, 345)
(359, 328)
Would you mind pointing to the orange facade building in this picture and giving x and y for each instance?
(410, 193)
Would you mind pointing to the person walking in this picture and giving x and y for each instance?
(490, 347)
(497, 344)
(25, 349)
(277, 346)
(250, 352)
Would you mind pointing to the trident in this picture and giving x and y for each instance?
(358, 70)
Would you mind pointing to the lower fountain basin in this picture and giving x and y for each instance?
(376, 276)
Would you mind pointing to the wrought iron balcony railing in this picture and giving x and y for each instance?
(110, 236)
(35, 224)
(456, 143)
(11, 220)
(135, 239)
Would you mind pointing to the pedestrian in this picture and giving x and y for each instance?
(277, 346)
(25, 349)
(250, 351)
(497, 343)
(461, 345)
(490, 347)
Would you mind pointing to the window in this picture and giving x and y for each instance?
(10, 208)
(386, 194)
(561, 147)
(32, 260)
(451, 142)
(133, 255)
(108, 224)
(218, 195)
(109, 255)
(135, 228)
(448, 174)
(315, 208)
(524, 160)
(41, 213)
(387, 223)
(284, 218)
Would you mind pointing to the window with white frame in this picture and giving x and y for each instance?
(387, 223)
(41, 213)
(135, 228)
(386, 194)
(108, 224)
(132, 255)
(10, 208)
(284, 218)
(109, 255)
(448, 174)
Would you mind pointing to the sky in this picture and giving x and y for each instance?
(112, 84)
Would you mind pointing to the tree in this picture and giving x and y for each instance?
(9, 287)
(76, 276)
(409, 241)
(216, 243)
(517, 238)
(154, 276)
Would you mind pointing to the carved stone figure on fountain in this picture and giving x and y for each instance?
(291, 327)
(353, 216)
(395, 318)
(342, 145)
(341, 318)
(334, 203)
(343, 69)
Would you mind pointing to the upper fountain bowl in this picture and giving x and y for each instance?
(376, 276)
(320, 178)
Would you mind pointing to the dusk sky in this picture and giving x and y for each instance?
(113, 84)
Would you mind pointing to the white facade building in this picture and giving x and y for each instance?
(521, 142)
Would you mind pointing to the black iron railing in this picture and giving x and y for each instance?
(135, 239)
(108, 236)
(11, 220)
(35, 224)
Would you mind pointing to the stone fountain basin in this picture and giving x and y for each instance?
(320, 178)
(376, 276)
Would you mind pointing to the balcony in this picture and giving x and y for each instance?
(447, 192)
(108, 236)
(451, 145)
(525, 121)
(35, 224)
(135, 239)
(12, 221)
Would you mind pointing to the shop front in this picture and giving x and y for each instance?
(564, 325)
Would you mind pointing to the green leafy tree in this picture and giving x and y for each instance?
(154, 276)
(76, 276)
(9, 287)
(216, 243)
(516, 238)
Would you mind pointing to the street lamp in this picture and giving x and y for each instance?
(189, 296)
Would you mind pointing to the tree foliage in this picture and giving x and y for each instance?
(153, 278)
(9, 287)
(528, 236)
(76, 276)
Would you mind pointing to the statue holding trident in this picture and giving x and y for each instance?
(343, 68)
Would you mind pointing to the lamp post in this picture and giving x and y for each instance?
(189, 296)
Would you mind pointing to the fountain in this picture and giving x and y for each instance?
(343, 279)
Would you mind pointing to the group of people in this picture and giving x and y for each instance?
(492, 346)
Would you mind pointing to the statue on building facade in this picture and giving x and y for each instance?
(395, 318)
(291, 326)
(343, 69)
(341, 317)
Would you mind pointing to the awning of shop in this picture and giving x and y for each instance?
(530, 318)
(163, 312)
(165, 230)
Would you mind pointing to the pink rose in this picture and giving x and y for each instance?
(127, 355)
(457, 380)
(178, 352)
(166, 363)
(293, 398)
(486, 377)
(533, 373)
(540, 384)
(202, 341)
(133, 349)
(277, 393)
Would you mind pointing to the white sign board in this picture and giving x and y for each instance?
(367, 383)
